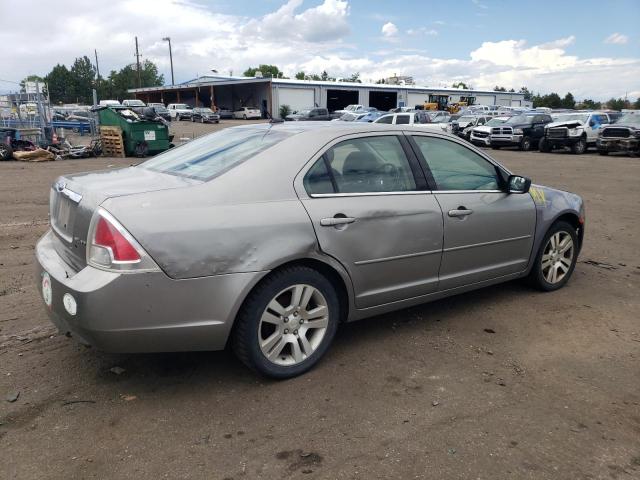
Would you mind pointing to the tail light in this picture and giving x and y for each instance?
(111, 247)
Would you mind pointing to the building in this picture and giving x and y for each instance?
(269, 94)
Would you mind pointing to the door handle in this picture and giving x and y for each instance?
(334, 221)
(460, 212)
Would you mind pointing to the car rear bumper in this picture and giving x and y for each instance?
(141, 312)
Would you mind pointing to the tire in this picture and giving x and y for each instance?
(539, 275)
(6, 152)
(193, 120)
(604, 153)
(525, 145)
(250, 328)
(495, 147)
(579, 147)
(202, 120)
(141, 149)
(543, 146)
(244, 117)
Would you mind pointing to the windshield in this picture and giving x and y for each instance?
(351, 108)
(581, 117)
(213, 154)
(348, 117)
(629, 119)
(466, 119)
(303, 112)
(204, 110)
(182, 106)
(496, 121)
(158, 108)
(519, 119)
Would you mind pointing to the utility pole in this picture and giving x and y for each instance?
(138, 64)
(168, 39)
(97, 68)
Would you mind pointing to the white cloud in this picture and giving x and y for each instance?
(389, 29)
(616, 39)
(478, 4)
(560, 43)
(422, 31)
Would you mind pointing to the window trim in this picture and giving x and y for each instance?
(422, 185)
(501, 172)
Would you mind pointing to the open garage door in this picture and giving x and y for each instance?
(338, 99)
(296, 98)
(383, 101)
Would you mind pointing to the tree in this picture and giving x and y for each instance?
(528, 96)
(462, 85)
(591, 105)
(511, 90)
(355, 78)
(499, 89)
(300, 76)
(116, 85)
(266, 70)
(284, 111)
(568, 101)
(82, 79)
(551, 100)
(618, 103)
(60, 84)
(637, 104)
(31, 78)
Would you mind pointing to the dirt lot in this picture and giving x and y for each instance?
(504, 382)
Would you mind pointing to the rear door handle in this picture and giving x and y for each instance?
(460, 212)
(333, 221)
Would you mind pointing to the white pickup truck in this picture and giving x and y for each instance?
(577, 131)
(179, 111)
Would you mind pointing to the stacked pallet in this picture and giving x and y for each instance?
(112, 144)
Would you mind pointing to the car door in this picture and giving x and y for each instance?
(369, 204)
(488, 233)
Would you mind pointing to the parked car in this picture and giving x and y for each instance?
(107, 103)
(161, 111)
(466, 124)
(247, 113)
(417, 117)
(311, 113)
(480, 134)
(351, 109)
(578, 131)
(439, 116)
(180, 111)
(133, 103)
(204, 115)
(370, 116)
(622, 136)
(522, 131)
(224, 112)
(350, 117)
(327, 233)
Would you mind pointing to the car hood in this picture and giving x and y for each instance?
(567, 124)
(482, 128)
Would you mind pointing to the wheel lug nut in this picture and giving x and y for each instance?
(295, 332)
(286, 330)
(301, 321)
(286, 320)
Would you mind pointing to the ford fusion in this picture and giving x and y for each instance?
(267, 237)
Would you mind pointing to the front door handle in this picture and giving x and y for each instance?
(337, 220)
(460, 212)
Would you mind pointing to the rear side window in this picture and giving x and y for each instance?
(216, 153)
(362, 165)
(403, 120)
(385, 119)
(455, 167)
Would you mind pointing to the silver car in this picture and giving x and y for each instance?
(269, 236)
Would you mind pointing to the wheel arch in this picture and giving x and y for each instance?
(572, 219)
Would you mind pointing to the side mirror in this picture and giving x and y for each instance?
(592, 123)
(518, 184)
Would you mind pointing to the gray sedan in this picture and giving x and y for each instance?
(269, 236)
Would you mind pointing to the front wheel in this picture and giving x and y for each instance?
(525, 145)
(544, 146)
(287, 323)
(6, 152)
(244, 117)
(579, 147)
(495, 147)
(556, 258)
(604, 153)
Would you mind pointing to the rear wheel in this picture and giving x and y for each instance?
(579, 147)
(244, 117)
(6, 152)
(604, 153)
(495, 147)
(556, 259)
(287, 323)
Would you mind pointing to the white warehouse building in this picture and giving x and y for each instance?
(269, 94)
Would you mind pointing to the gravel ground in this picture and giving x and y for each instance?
(504, 382)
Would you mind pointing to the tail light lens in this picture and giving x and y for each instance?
(111, 247)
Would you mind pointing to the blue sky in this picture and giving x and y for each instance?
(591, 48)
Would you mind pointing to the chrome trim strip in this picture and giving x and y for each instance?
(397, 257)
(370, 194)
(494, 242)
(467, 191)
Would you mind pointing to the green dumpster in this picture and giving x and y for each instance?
(141, 135)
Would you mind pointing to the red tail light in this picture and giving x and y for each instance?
(108, 236)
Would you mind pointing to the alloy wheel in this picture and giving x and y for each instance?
(293, 325)
(557, 257)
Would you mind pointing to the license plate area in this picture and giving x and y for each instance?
(62, 210)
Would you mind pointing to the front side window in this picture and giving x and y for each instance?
(403, 120)
(455, 167)
(385, 119)
(362, 165)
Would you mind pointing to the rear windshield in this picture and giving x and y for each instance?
(216, 153)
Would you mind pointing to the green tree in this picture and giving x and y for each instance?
(300, 76)
(60, 84)
(462, 85)
(527, 94)
(355, 78)
(83, 79)
(115, 86)
(499, 89)
(267, 71)
(284, 110)
(637, 104)
(589, 104)
(568, 101)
